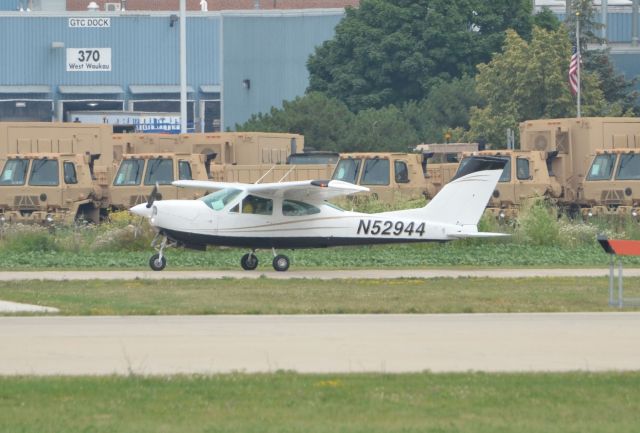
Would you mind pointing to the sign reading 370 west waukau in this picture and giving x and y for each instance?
(88, 59)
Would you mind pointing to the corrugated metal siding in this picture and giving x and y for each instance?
(272, 52)
(627, 64)
(144, 50)
(619, 27)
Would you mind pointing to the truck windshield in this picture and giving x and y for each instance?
(347, 170)
(159, 171)
(376, 172)
(470, 164)
(602, 167)
(130, 172)
(14, 172)
(219, 199)
(629, 167)
(44, 172)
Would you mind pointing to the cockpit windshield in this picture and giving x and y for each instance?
(219, 199)
(14, 172)
(347, 170)
(44, 172)
(130, 172)
(159, 171)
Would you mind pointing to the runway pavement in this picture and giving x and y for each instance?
(319, 274)
(332, 343)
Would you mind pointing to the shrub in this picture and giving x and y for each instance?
(537, 223)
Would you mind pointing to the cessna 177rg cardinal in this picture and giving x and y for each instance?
(297, 215)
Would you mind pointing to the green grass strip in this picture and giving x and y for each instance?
(307, 296)
(289, 402)
(455, 254)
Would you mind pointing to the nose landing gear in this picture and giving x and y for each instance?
(158, 262)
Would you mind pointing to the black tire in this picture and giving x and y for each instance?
(249, 262)
(156, 263)
(281, 263)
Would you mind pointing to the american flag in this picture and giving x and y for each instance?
(573, 70)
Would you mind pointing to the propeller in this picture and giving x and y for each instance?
(153, 196)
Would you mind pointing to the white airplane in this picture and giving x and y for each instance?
(297, 215)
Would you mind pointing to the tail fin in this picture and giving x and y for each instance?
(462, 201)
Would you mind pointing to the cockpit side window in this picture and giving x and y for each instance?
(347, 170)
(252, 204)
(159, 170)
(44, 172)
(506, 173)
(602, 167)
(14, 172)
(70, 176)
(184, 170)
(298, 208)
(130, 172)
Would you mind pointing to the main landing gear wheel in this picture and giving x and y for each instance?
(281, 263)
(249, 262)
(157, 262)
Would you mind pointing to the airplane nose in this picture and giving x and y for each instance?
(141, 210)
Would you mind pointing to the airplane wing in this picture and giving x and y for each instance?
(311, 190)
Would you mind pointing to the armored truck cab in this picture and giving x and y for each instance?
(612, 184)
(44, 188)
(136, 175)
(526, 175)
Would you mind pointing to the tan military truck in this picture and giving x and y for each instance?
(393, 177)
(45, 137)
(525, 176)
(231, 148)
(612, 184)
(138, 173)
(46, 188)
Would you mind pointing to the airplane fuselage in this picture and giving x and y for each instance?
(196, 225)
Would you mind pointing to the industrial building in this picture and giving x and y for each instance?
(58, 64)
(116, 63)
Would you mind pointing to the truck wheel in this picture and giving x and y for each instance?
(156, 263)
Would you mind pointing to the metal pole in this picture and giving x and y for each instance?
(634, 23)
(183, 67)
(611, 276)
(620, 294)
(604, 11)
(579, 60)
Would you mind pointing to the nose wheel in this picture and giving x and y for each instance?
(158, 261)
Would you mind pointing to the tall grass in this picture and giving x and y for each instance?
(538, 225)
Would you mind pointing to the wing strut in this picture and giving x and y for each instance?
(286, 174)
(264, 175)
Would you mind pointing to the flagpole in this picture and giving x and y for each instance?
(579, 59)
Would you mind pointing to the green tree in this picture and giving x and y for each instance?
(529, 81)
(546, 19)
(393, 51)
(322, 120)
(385, 129)
(446, 108)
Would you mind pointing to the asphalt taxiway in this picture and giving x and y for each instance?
(331, 343)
